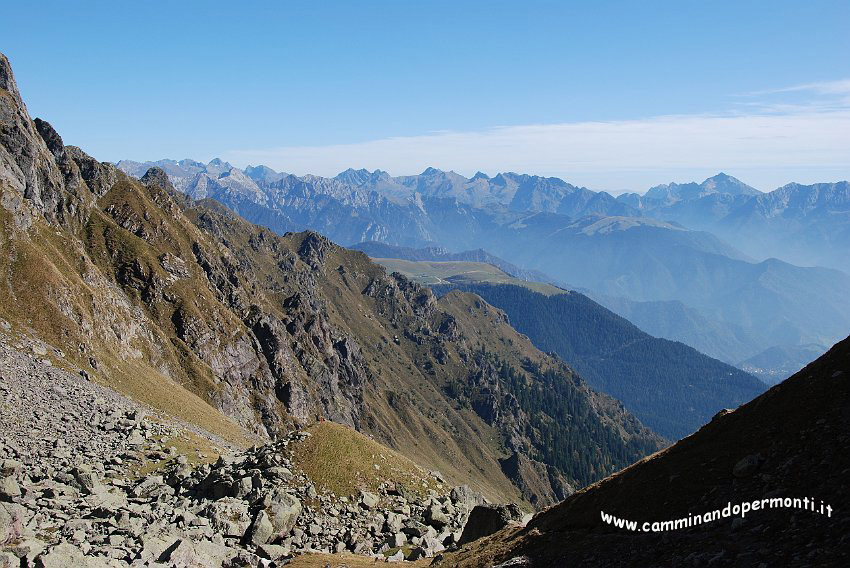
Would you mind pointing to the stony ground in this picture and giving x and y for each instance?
(89, 478)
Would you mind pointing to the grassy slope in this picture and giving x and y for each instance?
(430, 273)
(342, 461)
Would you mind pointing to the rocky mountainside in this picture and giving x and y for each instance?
(671, 387)
(184, 306)
(773, 453)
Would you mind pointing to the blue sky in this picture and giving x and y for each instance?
(612, 95)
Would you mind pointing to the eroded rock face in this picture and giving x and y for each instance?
(541, 484)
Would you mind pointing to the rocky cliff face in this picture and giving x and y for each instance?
(175, 301)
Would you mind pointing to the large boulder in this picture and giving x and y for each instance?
(65, 555)
(283, 511)
(261, 529)
(9, 489)
(181, 554)
(86, 478)
(487, 519)
(436, 517)
(11, 522)
(465, 499)
(368, 500)
(228, 516)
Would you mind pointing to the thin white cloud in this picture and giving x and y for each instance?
(766, 146)
(839, 87)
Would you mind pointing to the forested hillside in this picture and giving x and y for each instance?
(671, 387)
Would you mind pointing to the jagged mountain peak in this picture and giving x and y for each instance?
(355, 177)
(264, 174)
(7, 79)
(156, 176)
(720, 183)
(724, 183)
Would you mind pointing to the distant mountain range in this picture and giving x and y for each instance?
(672, 319)
(803, 224)
(656, 257)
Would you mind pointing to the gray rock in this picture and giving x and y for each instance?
(181, 554)
(152, 486)
(394, 522)
(9, 489)
(436, 517)
(261, 529)
(465, 499)
(432, 546)
(62, 556)
(746, 466)
(515, 562)
(487, 519)
(27, 549)
(9, 468)
(397, 540)
(368, 500)
(11, 522)
(86, 478)
(228, 516)
(283, 512)
(273, 551)
(9, 560)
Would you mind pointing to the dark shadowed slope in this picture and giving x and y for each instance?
(790, 442)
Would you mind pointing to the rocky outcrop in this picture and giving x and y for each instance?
(485, 520)
(158, 178)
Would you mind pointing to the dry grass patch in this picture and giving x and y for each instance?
(342, 461)
(345, 561)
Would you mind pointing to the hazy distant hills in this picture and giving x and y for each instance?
(663, 258)
(671, 319)
(803, 224)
